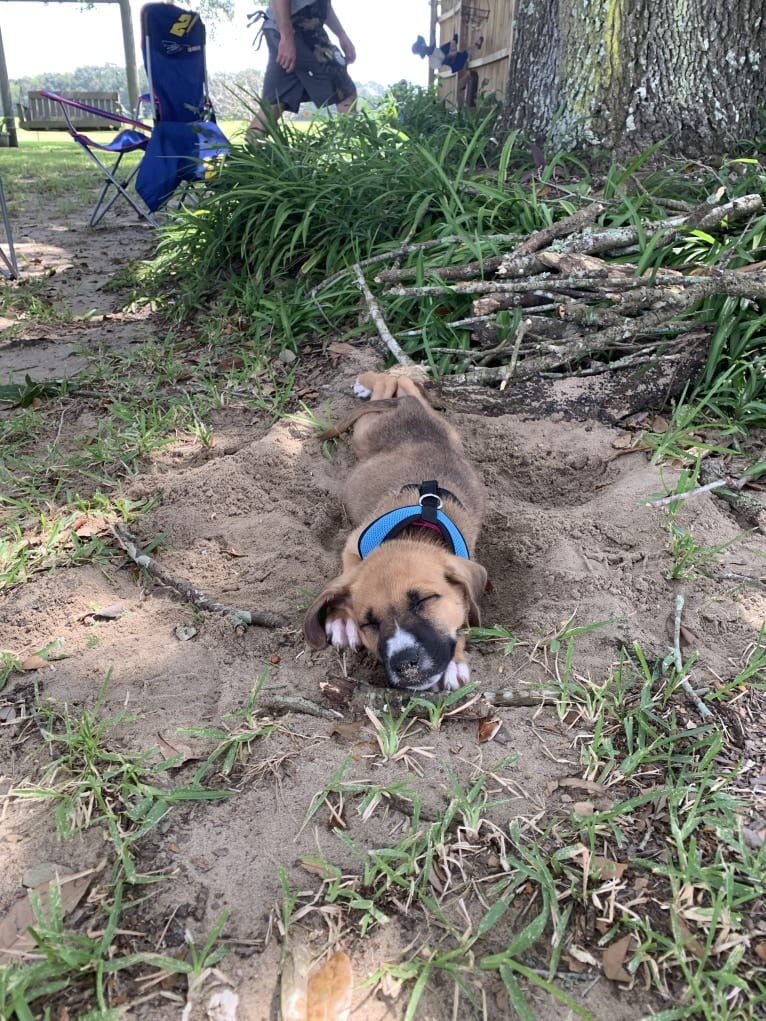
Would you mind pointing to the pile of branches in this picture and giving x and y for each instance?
(570, 298)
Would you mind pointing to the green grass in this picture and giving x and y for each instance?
(454, 194)
(655, 851)
(658, 857)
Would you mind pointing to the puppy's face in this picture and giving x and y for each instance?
(406, 602)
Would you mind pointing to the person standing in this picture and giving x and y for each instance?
(304, 66)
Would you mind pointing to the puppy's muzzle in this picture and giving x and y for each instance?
(416, 662)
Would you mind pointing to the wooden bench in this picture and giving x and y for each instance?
(42, 114)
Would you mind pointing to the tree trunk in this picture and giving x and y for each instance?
(625, 74)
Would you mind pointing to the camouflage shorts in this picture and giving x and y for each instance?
(320, 74)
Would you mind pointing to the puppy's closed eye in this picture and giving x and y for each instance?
(418, 601)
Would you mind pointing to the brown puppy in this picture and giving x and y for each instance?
(408, 586)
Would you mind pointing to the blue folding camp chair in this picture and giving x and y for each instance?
(186, 144)
(133, 137)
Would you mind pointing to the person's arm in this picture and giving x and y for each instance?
(282, 16)
(333, 23)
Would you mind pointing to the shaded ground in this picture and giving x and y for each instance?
(256, 520)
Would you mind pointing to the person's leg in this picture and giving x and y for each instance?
(260, 125)
(282, 90)
(347, 104)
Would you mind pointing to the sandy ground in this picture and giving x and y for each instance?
(257, 521)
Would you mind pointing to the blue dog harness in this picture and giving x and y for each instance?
(426, 512)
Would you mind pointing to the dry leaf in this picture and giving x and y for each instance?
(222, 1005)
(296, 962)
(176, 750)
(34, 663)
(331, 989)
(605, 868)
(348, 731)
(112, 612)
(235, 363)
(659, 424)
(574, 965)
(687, 637)
(486, 306)
(96, 524)
(583, 808)
(760, 950)
(613, 960)
(582, 956)
(690, 941)
(18, 919)
(574, 781)
(317, 869)
(488, 729)
(339, 348)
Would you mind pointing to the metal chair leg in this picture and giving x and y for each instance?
(11, 268)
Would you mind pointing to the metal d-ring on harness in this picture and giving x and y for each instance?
(427, 513)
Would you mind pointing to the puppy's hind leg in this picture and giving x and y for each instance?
(380, 386)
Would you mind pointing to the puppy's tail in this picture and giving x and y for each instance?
(369, 409)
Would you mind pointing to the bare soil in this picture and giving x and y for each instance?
(256, 521)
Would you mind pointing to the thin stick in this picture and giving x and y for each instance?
(542, 238)
(665, 501)
(187, 591)
(523, 327)
(730, 282)
(702, 709)
(750, 507)
(407, 249)
(297, 704)
(377, 317)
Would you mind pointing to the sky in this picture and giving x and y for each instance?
(382, 32)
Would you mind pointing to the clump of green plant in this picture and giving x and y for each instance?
(90, 784)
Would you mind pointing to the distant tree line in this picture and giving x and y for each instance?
(233, 93)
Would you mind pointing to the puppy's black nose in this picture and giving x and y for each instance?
(406, 661)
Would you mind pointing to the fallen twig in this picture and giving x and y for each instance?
(731, 283)
(512, 699)
(559, 229)
(377, 317)
(296, 704)
(405, 249)
(187, 591)
(750, 507)
(678, 662)
(666, 501)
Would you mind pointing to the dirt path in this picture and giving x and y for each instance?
(256, 520)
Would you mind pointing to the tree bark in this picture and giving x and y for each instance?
(624, 74)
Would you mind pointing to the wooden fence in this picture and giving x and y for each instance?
(487, 70)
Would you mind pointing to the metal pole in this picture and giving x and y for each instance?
(433, 26)
(5, 95)
(130, 55)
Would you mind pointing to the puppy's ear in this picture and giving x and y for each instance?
(334, 596)
(472, 578)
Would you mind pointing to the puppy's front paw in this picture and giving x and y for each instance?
(360, 390)
(342, 632)
(456, 674)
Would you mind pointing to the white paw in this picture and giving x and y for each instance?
(342, 633)
(455, 675)
(362, 391)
